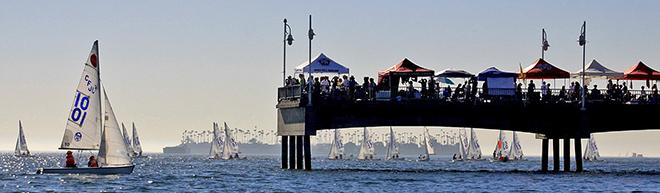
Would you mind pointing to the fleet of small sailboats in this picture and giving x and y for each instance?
(21, 149)
(591, 151)
(226, 148)
(337, 147)
(367, 149)
(90, 128)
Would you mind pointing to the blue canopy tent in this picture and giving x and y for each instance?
(499, 82)
(493, 72)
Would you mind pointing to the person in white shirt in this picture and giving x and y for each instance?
(325, 85)
(544, 90)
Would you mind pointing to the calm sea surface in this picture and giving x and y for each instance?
(165, 173)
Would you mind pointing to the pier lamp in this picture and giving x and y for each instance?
(288, 39)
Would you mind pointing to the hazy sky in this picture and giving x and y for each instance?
(176, 65)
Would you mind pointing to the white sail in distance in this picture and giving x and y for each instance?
(427, 138)
(21, 144)
(516, 150)
(230, 147)
(501, 147)
(367, 150)
(216, 144)
(336, 148)
(392, 148)
(591, 152)
(127, 140)
(137, 145)
(474, 150)
(462, 145)
(113, 150)
(83, 127)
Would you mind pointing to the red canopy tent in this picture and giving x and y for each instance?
(541, 69)
(404, 69)
(641, 72)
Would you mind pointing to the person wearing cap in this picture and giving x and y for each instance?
(70, 161)
(92, 163)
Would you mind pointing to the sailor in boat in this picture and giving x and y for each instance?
(454, 157)
(70, 160)
(92, 163)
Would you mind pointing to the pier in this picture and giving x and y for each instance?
(297, 119)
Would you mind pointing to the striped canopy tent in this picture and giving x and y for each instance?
(641, 71)
(597, 70)
(541, 69)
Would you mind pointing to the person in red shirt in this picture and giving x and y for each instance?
(92, 163)
(70, 161)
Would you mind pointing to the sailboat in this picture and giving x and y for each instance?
(392, 148)
(367, 150)
(337, 147)
(230, 147)
(137, 147)
(591, 152)
(474, 151)
(85, 129)
(216, 144)
(21, 144)
(516, 150)
(127, 141)
(462, 147)
(500, 153)
(427, 147)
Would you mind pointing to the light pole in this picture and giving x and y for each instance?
(311, 35)
(288, 39)
(583, 42)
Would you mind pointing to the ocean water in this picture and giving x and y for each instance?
(169, 173)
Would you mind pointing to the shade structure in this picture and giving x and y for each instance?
(450, 73)
(444, 80)
(322, 64)
(641, 71)
(493, 72)
(541, 69)
(597, 70)
(403, 69)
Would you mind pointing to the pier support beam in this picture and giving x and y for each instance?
(292, 152)
(299, 152)
(307, 153)
(555, 154)
(544, 155)
(578, 154)
(285, 152)
(567, 154)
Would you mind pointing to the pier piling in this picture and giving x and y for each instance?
(299, 152)
(567, 154)
(555, 154)
(292, 152)
(307, 153)
(285, 151)
(578, 154)
(544, 155)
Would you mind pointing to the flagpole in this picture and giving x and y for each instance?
(543, 44)
(583, 42)
(310, 34)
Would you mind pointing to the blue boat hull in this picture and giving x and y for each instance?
(106, 170)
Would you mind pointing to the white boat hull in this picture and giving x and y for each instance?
(107, 170)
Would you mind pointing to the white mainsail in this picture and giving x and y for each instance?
(591, 152)
(83, 127)
(230, 147)
(501, 147)
(367, 150)
(337, 147)
(392, 148)
(427, 139)
(474, 151)
(516, 150)
(113, 150)
(137, 147)
(216, 149)
(21, 143)
(462, 145)
(127, 141)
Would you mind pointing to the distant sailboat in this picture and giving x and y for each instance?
(462, 146)
(367, 150)
(427, 147)
(516, 152)
(85, 129)
(21, 144)
(500, 153)
(127, 141)
(337, 147)
(230, 147)
(474, 150)
(392, 147)
(216, 144)
(137, 146)
(591, 152)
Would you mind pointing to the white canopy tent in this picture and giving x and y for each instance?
(597, 70)
(321, 65)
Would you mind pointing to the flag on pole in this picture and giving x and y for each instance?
(582, 40)
(545, 45)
